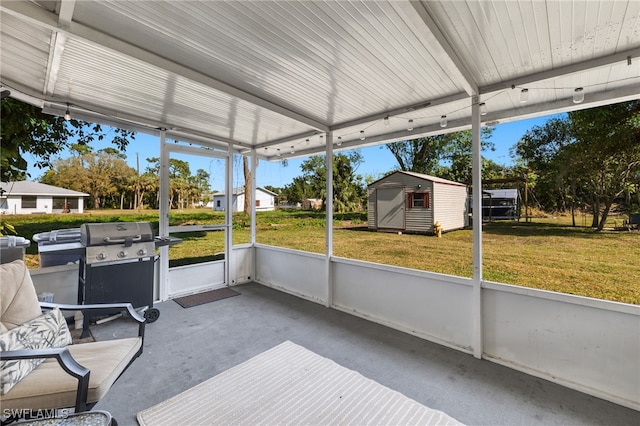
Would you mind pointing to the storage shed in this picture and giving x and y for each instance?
(413, 202)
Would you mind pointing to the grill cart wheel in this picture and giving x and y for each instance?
(151, 315)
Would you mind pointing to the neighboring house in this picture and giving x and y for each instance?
(413, 202)
(264, 199)
(500, 204)
(24, 197)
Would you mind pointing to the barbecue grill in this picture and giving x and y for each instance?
(118, 266)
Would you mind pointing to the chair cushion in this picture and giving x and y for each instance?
(49, 386)
(46, 331)
(18, 298)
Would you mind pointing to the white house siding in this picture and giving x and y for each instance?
(16, 193)
(11, 205)
(220, 203)
(449, 205)
(14, 205)
(266, 199)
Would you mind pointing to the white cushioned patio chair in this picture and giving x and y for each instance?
(40, 368)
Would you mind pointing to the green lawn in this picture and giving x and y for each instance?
(546, 253)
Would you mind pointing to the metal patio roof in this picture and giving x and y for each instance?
(275, 76)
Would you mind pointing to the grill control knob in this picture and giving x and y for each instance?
(122, 254)
(142, 252)
(101, 256)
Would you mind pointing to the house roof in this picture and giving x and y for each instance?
(423, 177)
(36, 188)
(275, 76)
(240, 191)
(502, 193)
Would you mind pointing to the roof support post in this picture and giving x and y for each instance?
(228, 219)
(163, 272)
(252, 188)
(254, 195)
(329, 217)
(476, 171)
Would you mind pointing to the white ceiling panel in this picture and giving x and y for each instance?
(27, 53)
(271, 74)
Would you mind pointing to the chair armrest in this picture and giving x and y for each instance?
(128, 306)
(68, 364)
(140, 319)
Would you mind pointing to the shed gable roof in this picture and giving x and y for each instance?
(240, 191)
(421, 176)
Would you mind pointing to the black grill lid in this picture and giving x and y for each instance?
(127, 233)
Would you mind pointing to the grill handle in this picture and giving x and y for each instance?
(126, 241)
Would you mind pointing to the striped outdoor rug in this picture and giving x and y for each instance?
(289, 384)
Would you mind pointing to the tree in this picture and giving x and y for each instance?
(348, 188)
(104, 175)
(248, 196)
(184, 189)
(590, 157)
(609, 149)
(543, 151)
(25, 129)
(298, 190)
(450, 153)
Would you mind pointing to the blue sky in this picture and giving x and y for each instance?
(377, 159)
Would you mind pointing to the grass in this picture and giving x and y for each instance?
(547, 253)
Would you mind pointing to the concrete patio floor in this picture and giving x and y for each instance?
(187, 346)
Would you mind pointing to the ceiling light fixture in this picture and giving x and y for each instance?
(67, 114)
(339, 141)
(578, 95)
(524, 95)
(278, 152)
(386, 121)
(362, 136)
(293, 151)
(483, 109)
(410, 125)
(443, 121)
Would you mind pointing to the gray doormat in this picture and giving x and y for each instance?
(205, 297)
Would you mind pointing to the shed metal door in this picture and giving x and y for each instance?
(390, 208)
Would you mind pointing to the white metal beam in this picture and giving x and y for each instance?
(38, 16)
(591, 100)
(402, 110)
(137, 124)
(455, 65)
(592, 64)
(329, 218)
(191, 150)
(65, 13)
(476, 176)
(229, 277)
(288, 139)
(58, 41)
(163, 273)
